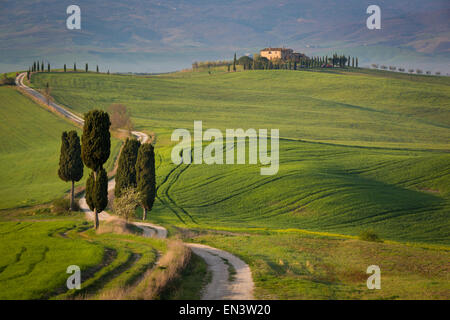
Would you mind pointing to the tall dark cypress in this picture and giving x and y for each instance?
(70, 164)
(100, 192)
(65, 68)
(145, 177)
(95, 151)
(234, 62)
(126, 170)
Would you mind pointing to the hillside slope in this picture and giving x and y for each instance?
(361, 150)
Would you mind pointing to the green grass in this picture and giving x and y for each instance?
(30, 141)
(361, 149)
(36, 253)
(361, 108)
(35, 257)
(302, 266)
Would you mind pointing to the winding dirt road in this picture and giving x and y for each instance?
(222, 286)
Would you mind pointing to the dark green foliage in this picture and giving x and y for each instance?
(370, 235)
(100, 191)
(234, 62)
(48, 67)
(126, 171)
(90, 184)
(97, 190)
(245, 60)
(96, 139)
(87, 67)
(42, 66)
(65, 68)
(70, 164)
(97, 69)
(145, 176)
(75, 67)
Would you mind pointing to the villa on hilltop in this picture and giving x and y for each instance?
(281, 54)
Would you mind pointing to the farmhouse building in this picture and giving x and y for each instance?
(281, 54)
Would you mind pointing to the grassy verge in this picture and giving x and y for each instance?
(189, 285)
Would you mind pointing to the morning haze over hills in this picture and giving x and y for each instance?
(161, 36)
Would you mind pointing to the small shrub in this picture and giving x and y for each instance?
(60, 206)
(7, 80)
(369, 235)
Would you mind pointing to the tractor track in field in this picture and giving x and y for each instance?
(222, 285)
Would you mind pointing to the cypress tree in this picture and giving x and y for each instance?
(97, 69)
(70, 164)
(48, 67)
(126, 170)
(97, 192)
(234, 62)
(42, 66)
(357, 62)
(90, 184)
(145, 177)
(65, 68)
(100, 192)
(75, 67)
(353, 62)
(348, 61)
(87, 67)
(95, 151)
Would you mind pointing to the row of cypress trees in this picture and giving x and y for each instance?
(261, 63)
(136, 164)
(39, 67)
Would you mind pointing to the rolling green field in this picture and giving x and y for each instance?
(36, 253)
(367, 108)
(360, 150)
(30, 142)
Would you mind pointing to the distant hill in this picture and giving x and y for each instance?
(155, 36)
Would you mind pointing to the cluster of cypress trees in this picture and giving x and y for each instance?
(136, 169)
(136, 164)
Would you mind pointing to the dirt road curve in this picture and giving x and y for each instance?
(221, 288)
(218, 261)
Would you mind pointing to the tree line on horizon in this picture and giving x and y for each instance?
(135, 177)
(262, 63)
(38, 66)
